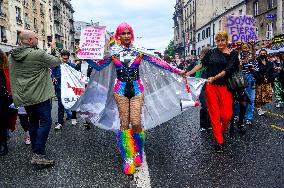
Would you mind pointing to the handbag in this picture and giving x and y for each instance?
(237, 81)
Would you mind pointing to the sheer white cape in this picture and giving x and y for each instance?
(163, 91)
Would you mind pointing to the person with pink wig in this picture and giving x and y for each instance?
(129, 64)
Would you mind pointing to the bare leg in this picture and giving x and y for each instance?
(136, 111)
(123, 105)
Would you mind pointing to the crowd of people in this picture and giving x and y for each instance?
(30, 78)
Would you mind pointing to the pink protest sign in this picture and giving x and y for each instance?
(92, 43)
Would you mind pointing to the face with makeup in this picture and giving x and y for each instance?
(125, 37)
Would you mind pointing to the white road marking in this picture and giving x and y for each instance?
(142, 177)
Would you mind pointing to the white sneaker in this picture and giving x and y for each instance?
(260, 112)
(27, 140)
(74, 121)
(58, 126)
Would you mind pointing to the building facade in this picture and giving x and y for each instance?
(189, 18)
(205, 35)
(268, 16)
(48, 18)
(179, 35)
(63, 25)
(17, 15)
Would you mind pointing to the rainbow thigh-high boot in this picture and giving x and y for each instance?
(139, 139)
(127, 149)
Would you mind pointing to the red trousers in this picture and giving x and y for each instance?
(219, 104)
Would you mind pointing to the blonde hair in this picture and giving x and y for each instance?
(221, 35)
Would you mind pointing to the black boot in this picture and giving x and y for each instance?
(242, 129)
(3, 149)
(220, 148)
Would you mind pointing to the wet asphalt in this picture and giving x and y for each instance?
(178, 155)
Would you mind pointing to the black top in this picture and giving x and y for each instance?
(266, 71)
(215, 62)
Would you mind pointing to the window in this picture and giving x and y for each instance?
(190, 8)
(35, 25)
(41, 9)
(51, 31)
(255, 8)
(269, 31)
(18, 38)
(27, 21)
(269, 4)
(198, 37)
(203, 34)
(1, 6)
(3, 34)
(43, 45)
(207, 32)
(18, 15)
(240, 12)
(42, 27)
(34, 4)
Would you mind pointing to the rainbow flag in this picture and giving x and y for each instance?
(112, 41)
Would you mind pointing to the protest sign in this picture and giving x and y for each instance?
(241, 28)
(92, 43)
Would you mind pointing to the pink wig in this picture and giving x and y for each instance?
(121, 27)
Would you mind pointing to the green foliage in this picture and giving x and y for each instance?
(170, 50)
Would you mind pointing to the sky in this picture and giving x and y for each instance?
(151, 19)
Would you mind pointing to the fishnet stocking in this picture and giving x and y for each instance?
(130, 111)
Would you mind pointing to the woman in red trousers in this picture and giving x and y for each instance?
(220, 64)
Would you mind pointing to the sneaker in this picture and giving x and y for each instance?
(248, 122)
(27, 140)
(260, 112)
(202, 129)
(278, 105)
(220, 148)
(74, 121)
(38, 159)
(58, 126)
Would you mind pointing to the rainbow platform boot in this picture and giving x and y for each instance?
(139, 139)
(126, 147)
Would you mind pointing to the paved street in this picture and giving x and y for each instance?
(177, 155)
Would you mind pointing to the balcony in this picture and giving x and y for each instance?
(27, 26)
(71, 19)
(19, 20)
(56, 5)
(25, 4)
(2, 15)
(57, 18)
(42, 13)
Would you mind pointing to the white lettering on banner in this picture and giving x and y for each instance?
(92, 42)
